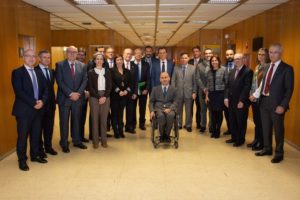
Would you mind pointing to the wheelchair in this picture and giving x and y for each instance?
(157, 139)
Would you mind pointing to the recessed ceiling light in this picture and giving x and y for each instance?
(92, 2)
(199, 21)
(223, 1)
(169, 22)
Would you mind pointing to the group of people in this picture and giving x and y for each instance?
(111, 83)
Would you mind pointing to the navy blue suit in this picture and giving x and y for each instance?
(66, 85)
(48, 117)
(28, 118)
(156, 71)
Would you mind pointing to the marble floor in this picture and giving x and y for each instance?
(130, 168)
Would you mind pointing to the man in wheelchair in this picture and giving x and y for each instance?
(163, 106)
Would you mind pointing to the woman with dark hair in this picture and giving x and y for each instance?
(99, 83)
(121, 87)
(262, 60)
(217, 78)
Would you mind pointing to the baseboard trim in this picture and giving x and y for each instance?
(7, 154)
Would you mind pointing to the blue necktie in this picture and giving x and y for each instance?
(165, 91)
(34, 84)
(163, 67)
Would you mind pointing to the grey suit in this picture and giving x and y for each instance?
(201, 71)
(66, 85)
(159, 102)
(185, 84)
(281, 90)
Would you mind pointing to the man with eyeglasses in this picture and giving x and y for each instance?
(31, 94)
(71, 77)
(274, 93)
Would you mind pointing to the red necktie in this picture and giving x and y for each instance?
(73, 70)
(268, 81)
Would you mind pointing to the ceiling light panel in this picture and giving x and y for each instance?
(130, 2)
(265, 1)
(39, 3)
(91, 2)
(223, 1)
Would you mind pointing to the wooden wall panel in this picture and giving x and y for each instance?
(19, 19)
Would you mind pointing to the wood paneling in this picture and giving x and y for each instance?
(280, 24)
(19, 19)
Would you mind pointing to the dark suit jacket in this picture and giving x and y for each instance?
(281, 86)
(145, 76)
(133, 77)
(24, 95)
(50, 84)
(238, 89)
(159, 102)
(65, 82)
(156, 71)
(93, 83)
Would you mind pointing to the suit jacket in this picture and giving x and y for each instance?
(192, 60)
(66, 84)
(145, 76)
(51, 103)
(281, 86)
(160, 102)
(201, 70)
(186, 85)
(24, 94)
(238, 89)
(152, 59)
(156, 71)
(93, 83)
(133, 77)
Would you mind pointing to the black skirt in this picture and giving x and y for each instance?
(216, 100)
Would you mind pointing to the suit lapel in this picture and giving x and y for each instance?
(28, 79)
(277, 72)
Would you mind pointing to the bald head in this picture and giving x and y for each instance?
(72, 52)
(164, 78)
(29, 57)
(127, 54)
(238, 59)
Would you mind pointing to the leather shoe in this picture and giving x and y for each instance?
(237, 144)
(277, 159)
(202, 129)
(66, 149)
(257, 147)
(51, 152)
(39, 160)
(143, 127)
(108, 135)
(85, 140)
(104, 145)
(263, 153)
(43, 154)
(229, 141)
(180, 127)
(189, 129)
(253, 143)
(132, 131)
(80, 146)
(23, 166)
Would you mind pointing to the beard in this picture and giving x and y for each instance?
(229, 59)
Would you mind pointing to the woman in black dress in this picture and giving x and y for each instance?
(217, 78)
(121, 87)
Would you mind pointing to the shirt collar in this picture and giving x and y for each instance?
(27, 67)
(43, 66)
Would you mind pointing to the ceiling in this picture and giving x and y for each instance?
(151, 22)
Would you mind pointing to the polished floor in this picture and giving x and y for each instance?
(201, 168)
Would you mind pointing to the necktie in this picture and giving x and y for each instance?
(183, 71)
(73, 71)
(163, 67)
(267, 86)
(47, 74)
(165, 91)
(34, 84)
(140, 70)
(236, 73)
(229, 66)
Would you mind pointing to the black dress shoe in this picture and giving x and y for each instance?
(277, 159)
(23, 166)
(142, 127)
(202, 129)
(85, 140)
(66, 149)
(198, 126)
(227, 132)
(253, 143)
(122, 135)
(43, 154)
(180, 127)
(237, 144)
(39, 160)
(230, 141)
(258, 146)
(108, 135)
(80, 146)
(189, 129)
(51, 152)
(210, 130)
(263, 153)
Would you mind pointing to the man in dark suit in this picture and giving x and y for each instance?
(130, 105)
(195, 61)
(236, 100)
(31, 94)
(163, 105)
(71, 79)
(149, 58)
(142, 88)
(229, 54)
(109, 58)
(161, 65)
(49, 107)
(275, 92)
